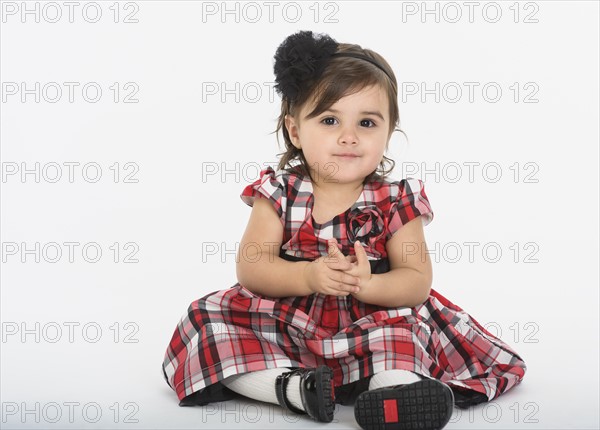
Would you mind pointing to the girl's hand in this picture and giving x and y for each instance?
(327, 274)
(338, 261)
(360, 267)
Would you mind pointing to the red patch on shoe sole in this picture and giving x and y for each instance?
(390, 410)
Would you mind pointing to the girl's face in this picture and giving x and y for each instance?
(345, 143)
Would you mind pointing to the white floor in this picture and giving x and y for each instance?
(525, 407)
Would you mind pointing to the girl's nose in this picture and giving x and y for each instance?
(348, 136)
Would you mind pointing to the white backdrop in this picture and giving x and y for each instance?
(128, 131)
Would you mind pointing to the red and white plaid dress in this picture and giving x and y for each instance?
(234, 331)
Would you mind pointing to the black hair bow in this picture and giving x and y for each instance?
(299, 62)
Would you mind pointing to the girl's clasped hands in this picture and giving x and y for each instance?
(339, 275)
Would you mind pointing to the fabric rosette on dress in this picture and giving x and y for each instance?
(366, 224)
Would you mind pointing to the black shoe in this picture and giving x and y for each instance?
(316, 390)
(426, 404)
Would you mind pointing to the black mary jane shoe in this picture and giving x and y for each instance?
(316, 390)
(426, 404)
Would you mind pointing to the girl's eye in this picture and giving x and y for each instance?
(364, 122)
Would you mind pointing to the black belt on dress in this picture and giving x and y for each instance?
(377, 266)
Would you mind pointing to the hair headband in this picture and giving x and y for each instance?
(362, 57)
(301, 59)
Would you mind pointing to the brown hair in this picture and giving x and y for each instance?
(342, 76)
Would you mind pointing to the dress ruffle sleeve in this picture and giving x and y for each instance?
(408, 202)
(269, 185)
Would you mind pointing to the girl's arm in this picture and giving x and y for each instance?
(258, 266)
(409, 280)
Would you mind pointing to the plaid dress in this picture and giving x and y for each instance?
(234, 330)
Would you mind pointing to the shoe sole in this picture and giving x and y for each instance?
(325, 393)
(426, 404)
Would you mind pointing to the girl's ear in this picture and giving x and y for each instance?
(292, 128)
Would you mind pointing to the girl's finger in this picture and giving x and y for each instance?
(332, 248)
(338, 264)
(344, 283)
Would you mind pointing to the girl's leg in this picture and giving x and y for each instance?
(302, 390)
(398, 399)
(389, 378)
(260, 385)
